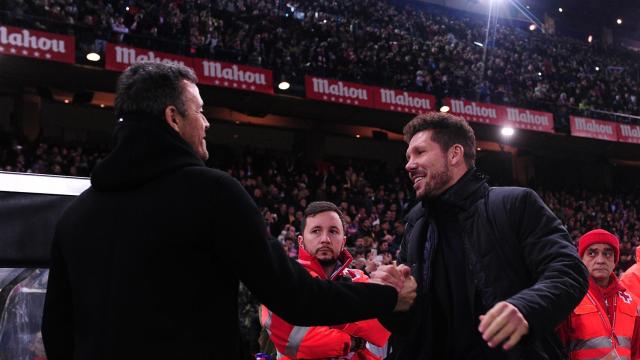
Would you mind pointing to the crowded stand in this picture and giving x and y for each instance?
(372, 42)
(373, 198)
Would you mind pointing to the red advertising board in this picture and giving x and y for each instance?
(37, 44)
(629, 133)
(499, 115)
(592, 128)
(118, 57)
(528, 119)
(403, 101)
(218, 73)
(477, 112)
(338, 91)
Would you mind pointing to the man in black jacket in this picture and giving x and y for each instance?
(146, 263)
(495, 267)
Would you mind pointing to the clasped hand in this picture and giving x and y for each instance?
(400, 278)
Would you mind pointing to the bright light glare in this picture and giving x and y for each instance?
(619, 21)
(444, 108)
(507, 131)
(92, 56)
(590, 38)
(560, 10)
(532, 27)
(284, 85)
(478, 44)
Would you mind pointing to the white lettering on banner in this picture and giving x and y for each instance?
(25, 39)
(591, 125)
(630, 131)
(322, 86)
(390, 97)
(215, 69)
(129, 56)
(526, 117)
(458, 106)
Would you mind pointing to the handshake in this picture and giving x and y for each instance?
(400, 278)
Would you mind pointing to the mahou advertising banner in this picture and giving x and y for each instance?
(592, 128)
(499, 115)
(233, 76)
(119, 57)
(629, 133)
(529, 119)
(37, 44)
(477, 112)
(403, 101)
(338, 91)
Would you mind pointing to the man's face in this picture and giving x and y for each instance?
(427, 166)
(600, 261)
(323, 237)
(192, 125)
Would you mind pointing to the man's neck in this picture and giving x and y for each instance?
(329, 270)
(603, 282)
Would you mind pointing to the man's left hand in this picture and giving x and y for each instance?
(504, 321)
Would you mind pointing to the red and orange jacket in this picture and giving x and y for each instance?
(324, 342)
(631, 278)
(592, 332)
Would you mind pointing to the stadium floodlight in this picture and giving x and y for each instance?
(560, 10)
(590, 39)
(532, 27)
(539, 73)
(477, 43)
(619, 21)
(93, 56)
(597, 68)
(284, 85)
(444, 108)
(507, 131)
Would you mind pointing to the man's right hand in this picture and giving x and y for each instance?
(400, 278)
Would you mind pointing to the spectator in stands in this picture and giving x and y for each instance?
(606, 323)
(323, 254)
(151, 219)
(493, 266)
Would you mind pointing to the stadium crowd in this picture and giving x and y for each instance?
(373, 198)
(367, 41)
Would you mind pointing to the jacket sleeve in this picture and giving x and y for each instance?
(57, 315)
(301, 342)
(280, 283)
(559, 276)
(399, 323)
(635, 340)
(371, 330)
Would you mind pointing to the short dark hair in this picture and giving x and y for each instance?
(446, 131)
(318, 207)
(148, 88)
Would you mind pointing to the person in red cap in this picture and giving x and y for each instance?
(631, 278)
(605, 324)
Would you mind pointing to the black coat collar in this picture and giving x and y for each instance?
(144, 149)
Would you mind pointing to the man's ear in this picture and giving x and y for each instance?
(171, 117)
(300, 242)
(456, 154)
